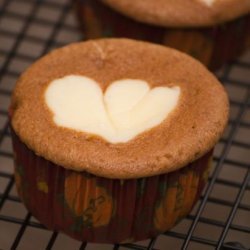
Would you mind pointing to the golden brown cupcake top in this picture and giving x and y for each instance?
(191, 129)
(181, 13)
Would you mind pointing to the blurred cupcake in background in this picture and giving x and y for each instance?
(212, 31)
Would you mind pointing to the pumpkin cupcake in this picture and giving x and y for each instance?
(113, 138)
(213, 31)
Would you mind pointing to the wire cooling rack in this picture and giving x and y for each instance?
(221, 218)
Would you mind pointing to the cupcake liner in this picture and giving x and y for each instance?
(96, 209)
(213, 46)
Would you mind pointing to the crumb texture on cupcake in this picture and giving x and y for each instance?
(181, 13)
(197, 120)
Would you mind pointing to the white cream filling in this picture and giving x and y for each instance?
(208, 2)
(128, 107)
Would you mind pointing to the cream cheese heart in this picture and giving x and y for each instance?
(128, 107)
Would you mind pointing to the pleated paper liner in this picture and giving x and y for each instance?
(95, 209)
(212, 46)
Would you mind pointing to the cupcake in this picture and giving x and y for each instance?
(113, 138)
(213, 31)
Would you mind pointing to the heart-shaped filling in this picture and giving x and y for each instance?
(128, 107)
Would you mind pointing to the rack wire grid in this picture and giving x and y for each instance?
(220, 219)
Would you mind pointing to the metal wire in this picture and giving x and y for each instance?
(186, 238)
(217, 168)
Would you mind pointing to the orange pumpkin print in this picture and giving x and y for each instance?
(177, 201)
(88, 200)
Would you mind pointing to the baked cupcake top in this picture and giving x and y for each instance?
(119, 108)
(181, 13)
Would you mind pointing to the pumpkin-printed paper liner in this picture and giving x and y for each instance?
(212, 46)
(96, 209)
